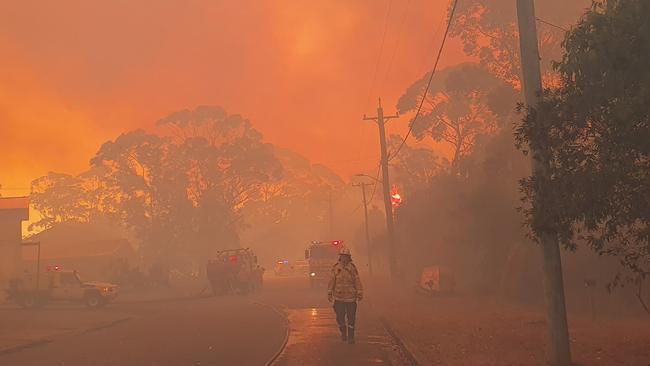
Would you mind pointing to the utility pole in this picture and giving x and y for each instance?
(331, 211)
(388, 207)
(363, 186)
(558, 333)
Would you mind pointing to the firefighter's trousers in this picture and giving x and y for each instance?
(345, 310)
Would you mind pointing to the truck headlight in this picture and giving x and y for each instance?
(313, 274)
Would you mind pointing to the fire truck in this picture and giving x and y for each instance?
(321, 256)
(57, 284)
(234, 271)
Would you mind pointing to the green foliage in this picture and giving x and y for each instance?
(414, 168)
(470, 223)
(59, 198)
(294, 208)
(458, 107)
(488, 30)
(593, 130)
(179, 194)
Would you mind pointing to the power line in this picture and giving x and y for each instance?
(374, 189)
(400, 32)
(551, 24)
(355, 209)
(429, 55)
(381, 51)
(359, 160)
(426, 90)
(376, 181)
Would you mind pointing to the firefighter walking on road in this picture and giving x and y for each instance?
(345, 290)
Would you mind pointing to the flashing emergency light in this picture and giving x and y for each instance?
(395, 197)
(333, 242)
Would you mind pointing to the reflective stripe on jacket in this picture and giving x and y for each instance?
(345, 284)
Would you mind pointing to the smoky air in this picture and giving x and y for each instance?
(253, 183)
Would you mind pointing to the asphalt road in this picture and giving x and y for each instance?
(231, 330)
(212, 331)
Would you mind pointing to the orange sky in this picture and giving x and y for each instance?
(76, 73)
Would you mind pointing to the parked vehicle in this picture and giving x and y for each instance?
(234, 271)
(59, 285)
(285, 267)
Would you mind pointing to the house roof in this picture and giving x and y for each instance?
(76, 240)
(81, 249)
(79, 232)
(11, 203)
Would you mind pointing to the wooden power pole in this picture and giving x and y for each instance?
(388, 207)
(331, 212)
(558, 333)
(363, 186)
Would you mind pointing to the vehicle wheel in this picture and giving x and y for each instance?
(94, 301)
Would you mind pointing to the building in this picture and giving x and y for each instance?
(13, 211)
(93, 249)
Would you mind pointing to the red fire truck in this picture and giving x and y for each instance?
(234, 271)
(322, 255)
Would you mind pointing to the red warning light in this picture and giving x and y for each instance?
(395, 197)
(337, 242)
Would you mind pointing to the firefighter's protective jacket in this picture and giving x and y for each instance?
(345, 284)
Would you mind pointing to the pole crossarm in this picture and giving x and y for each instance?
(367, 176)
(386, 118)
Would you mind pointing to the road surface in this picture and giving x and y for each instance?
(234, 330)
(198, 332)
